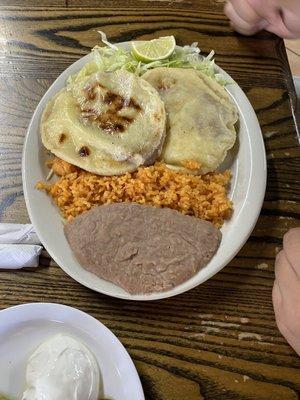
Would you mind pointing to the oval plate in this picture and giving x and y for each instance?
(247, 163)
(23, 328)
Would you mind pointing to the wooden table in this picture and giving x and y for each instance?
(220, 340)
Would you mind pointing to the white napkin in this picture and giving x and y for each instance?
(19, 246)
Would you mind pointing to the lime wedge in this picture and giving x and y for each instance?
(152, 50)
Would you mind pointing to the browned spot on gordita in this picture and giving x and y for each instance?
(132, 103)
(110, 120)
(91, 90)
(127, 119)
(113, 125)
(118, 102)
(84, 151)
(91, 95)
(62, 138)
(115, 101)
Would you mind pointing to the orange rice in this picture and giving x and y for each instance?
(202, 196)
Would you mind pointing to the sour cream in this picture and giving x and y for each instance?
(62, 368)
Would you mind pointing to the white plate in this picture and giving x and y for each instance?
(247, 192)
(24, 327)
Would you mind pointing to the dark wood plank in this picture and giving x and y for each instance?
(18, 99)
(33, 3)
(216, 5)
(202, 5)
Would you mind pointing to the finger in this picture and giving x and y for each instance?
(240, 25)
(291, 246)
(287, 318)
(286, 279)
(281, 30)
(278, 308)
(278, 17)
(245, 11)
(282, 16)
(277, 297)
(291, 16)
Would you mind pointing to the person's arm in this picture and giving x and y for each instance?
(286, 290)
(281, 17)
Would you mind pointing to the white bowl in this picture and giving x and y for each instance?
(248, 185)
(23, 328)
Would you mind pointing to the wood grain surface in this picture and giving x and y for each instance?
(220, 340)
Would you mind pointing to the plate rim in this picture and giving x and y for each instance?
(45, 308)
(255, 210)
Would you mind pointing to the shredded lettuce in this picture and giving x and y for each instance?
(113, 58)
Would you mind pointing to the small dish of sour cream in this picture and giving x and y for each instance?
(62, 368)
(55, 352)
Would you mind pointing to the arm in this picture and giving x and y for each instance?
(286, 290)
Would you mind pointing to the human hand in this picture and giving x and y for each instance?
(286, 289)
(281, 17)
